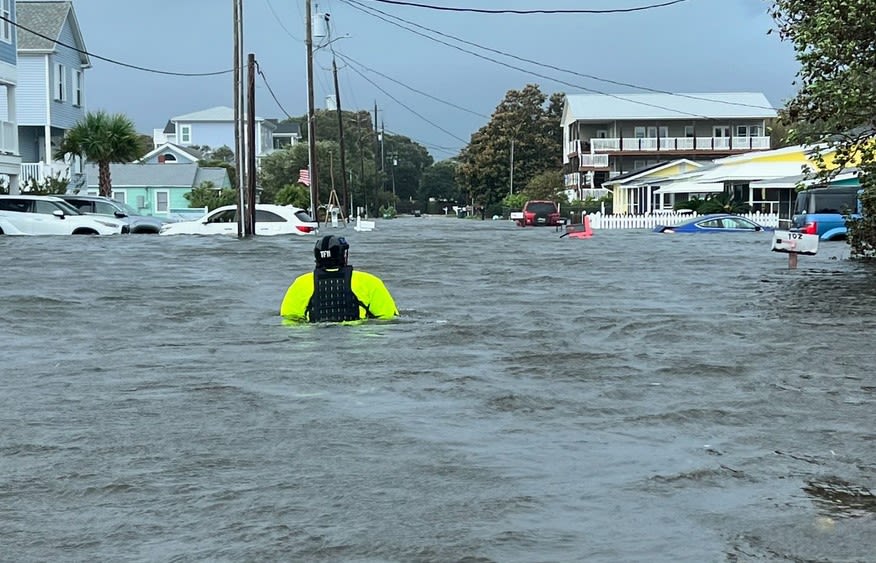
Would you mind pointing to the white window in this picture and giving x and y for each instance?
(639, 132)
(6, 28)
(141, 202)
(742, 130)
(663, 132)
(77, 88)
(185, 134)
(120, 195)
(652, 132)
(688, 130)
(601, 133)
(162, 202)
(60, 82)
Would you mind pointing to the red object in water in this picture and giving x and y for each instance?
(582, 230)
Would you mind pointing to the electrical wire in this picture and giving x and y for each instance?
(271, 91)
(568, 71)
(113, 61)
(356, 5)
(535, 11)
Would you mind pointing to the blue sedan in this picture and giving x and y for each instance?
(714, 223)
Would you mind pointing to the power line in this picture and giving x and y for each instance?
(113, 61)
(358, 6)
(536, 11)
(391, 97)
(560, 69)
(279, 21)
(350, 61)
(271, 91)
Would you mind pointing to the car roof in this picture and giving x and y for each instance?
(31, 196)
(86, 196)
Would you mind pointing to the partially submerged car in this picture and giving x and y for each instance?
(713, 223)
(48, 215)
(823, 211)
(540, 213)
(270, 220)
(98, 205)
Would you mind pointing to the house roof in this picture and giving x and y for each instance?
(40, 25)
(218, 113)
(793, 181)
(190, 153)
(648, 170)
(716, 105)
(155, 175)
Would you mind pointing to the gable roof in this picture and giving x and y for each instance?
(716, 105)
(650, 170)
(190, 154)
(218, 113)
(40, 25)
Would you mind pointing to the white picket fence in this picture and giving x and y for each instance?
(649, 221)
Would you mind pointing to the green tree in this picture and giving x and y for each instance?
(439, 181)
(534, 128)
(103, 138)
(209, 196)
(835, 43)
(546, 185)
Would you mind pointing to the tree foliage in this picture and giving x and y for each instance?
(835, 43)
(209, 196)
(439, 181)
(484, 172)
(103, 138)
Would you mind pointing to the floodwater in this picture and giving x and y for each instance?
(629, 397)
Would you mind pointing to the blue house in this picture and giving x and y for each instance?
(10, 161)
(157, 189)
(52, 61)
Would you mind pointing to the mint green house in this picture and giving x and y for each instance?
(157, 189)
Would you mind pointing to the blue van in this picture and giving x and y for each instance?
(823, 211)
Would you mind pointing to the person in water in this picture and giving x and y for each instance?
(334, 292)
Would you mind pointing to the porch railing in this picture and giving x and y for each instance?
(41, 171)
(658, 144)
(651, 220)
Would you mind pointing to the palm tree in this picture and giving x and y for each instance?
(103, 138)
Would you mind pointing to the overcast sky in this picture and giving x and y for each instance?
(435, 75)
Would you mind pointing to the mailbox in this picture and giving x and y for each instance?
(795, 243)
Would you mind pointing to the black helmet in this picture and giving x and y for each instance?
(331, 252)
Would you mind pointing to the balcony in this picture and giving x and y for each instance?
(590, 152)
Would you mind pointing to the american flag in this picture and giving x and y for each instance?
(304, 176)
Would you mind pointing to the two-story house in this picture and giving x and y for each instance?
(212, 128)
(52, 61)
(286, 134)
(10, 161)
(606, 135)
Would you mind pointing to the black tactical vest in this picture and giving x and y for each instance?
(333, 299)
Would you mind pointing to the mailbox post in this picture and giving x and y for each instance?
(794, 244)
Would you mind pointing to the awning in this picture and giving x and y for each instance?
(690, 188)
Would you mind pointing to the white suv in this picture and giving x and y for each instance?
(47, 215)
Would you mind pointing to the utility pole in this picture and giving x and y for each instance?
(346, 188)
(238, 160)
(311, 118)
(249, 226)
(512, 167)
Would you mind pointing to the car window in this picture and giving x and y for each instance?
(737, 223)
(19, 205)
(541, 208)
(128, 209)
(227, 216)
(304, 216)
(104, 208)
(47, 207)
(833, 203)
(263, 216)
(710, 224)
